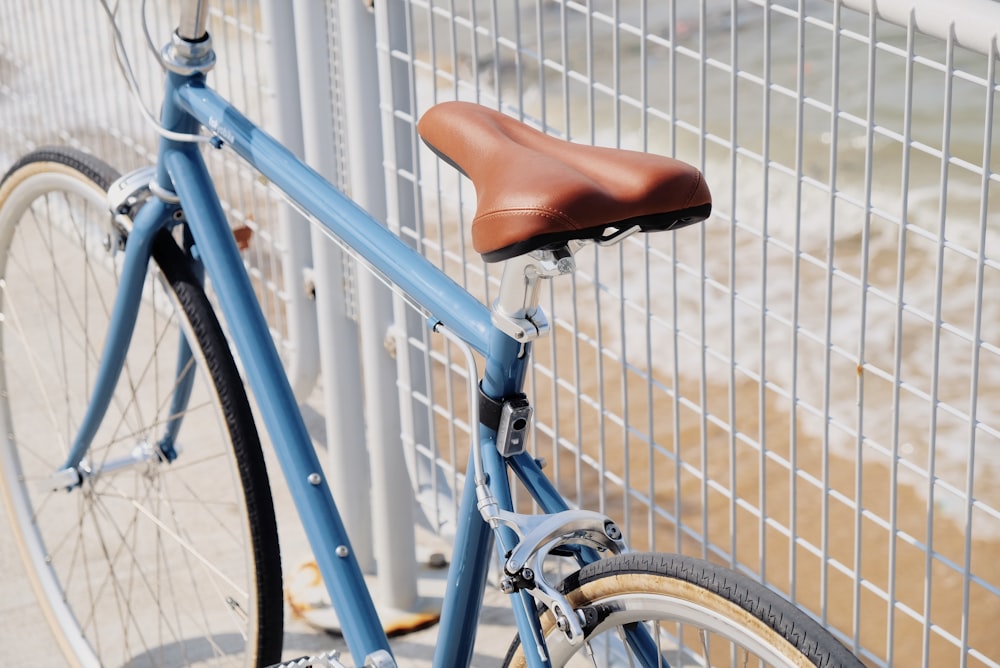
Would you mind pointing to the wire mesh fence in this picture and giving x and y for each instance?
(60, 83)
(802, 387)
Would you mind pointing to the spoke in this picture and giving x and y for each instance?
(11, 311)
(121, 599)
(624, 641)
(184, 544)
(221, 596)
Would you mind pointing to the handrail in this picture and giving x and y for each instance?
(975, 24)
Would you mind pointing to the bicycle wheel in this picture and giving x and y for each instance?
(147, 561)
(671, 610)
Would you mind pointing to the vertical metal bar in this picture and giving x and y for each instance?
(935, 357)
(702, 293)
(101, 103)
(675, 377)
(380, 313)
(793, 418)
(591, 88)
(898, 343)
(427, 471)
(602, 425)
(824, 576)
(564, 59)
(977, 347)
(622, 326)
(862, 327)
(936, 360)
(540, 44)
(410, 215)
(762, 322)
(302, 365)
(733, 178)
(337, 332)
(494, 33)
(578, 406)
(651, 452)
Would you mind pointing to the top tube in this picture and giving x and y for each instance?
(442, 297)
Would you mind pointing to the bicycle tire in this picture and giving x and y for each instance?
(684, 599)
(157, 562)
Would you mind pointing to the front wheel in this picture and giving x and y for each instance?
(155, 557)
(672, 610)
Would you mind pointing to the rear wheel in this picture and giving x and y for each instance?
(671, 610)
(153, 559)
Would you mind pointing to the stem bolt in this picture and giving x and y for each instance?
(314, 479)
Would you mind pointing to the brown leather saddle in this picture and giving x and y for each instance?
(539, 192)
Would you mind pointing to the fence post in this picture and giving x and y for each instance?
(304, 347)
(339, 363)
(392, 496)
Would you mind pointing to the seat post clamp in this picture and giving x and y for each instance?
(516, 311)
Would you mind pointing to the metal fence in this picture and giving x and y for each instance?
(60, 84)
(800, 388)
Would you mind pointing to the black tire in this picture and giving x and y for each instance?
(685, 599)
(153, 562)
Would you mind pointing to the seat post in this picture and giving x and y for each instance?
(516, 311)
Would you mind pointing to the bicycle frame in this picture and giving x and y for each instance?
(181, 171)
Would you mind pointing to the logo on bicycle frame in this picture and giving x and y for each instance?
(221, 130)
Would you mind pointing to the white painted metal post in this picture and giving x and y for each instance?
(302, 358)
(403, 204)
(348, 468)
(392, 497)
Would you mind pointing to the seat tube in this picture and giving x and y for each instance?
(506, 367)
(466, 582)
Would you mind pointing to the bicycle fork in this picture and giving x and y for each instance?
(141, 233)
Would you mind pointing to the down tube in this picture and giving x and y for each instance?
(264, 370)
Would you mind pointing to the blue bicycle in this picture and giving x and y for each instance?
(131, 465)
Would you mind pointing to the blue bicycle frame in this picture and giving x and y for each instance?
(190, 104)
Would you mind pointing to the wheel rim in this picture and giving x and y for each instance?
(676, 622)
(683, 624)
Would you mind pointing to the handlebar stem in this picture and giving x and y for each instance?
(194, 20)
